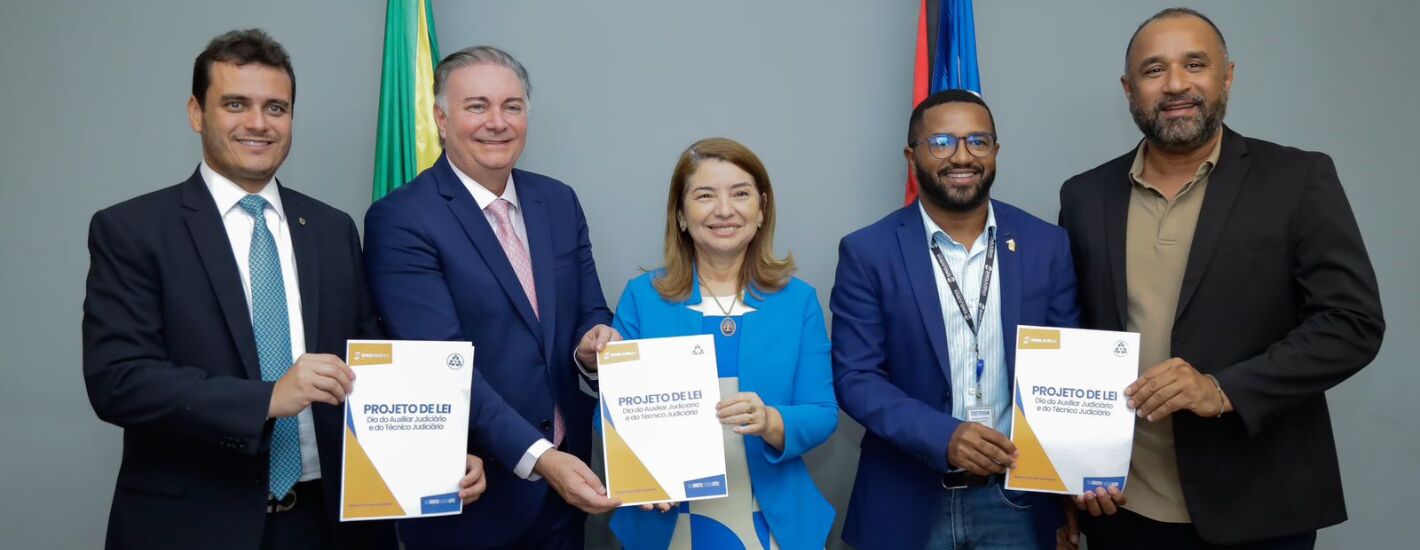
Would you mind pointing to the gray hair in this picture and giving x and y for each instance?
(476, 55)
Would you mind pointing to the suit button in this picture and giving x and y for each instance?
(545, 424)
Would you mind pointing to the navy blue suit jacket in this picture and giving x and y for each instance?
(891, 369)
(170, 357)
(437, 272)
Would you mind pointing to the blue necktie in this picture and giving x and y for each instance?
(272, 326)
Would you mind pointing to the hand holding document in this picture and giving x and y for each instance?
(662, 440)
(1070, 423)
(406, 429)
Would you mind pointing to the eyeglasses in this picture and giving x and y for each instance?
(943, 146)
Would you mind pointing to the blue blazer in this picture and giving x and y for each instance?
(437, 272)
(783, 358)
(891, 369)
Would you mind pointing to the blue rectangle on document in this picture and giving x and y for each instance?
(1092, 483)
(438, 504)
(713, 486)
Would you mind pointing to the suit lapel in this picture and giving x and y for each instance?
(1223, 186)
(913, 244)
(753, 340)
(470, 217)
(306, 246)
(1116, 222)
(204, 223)
(538, 223)
(1010, 275)
(689, 321)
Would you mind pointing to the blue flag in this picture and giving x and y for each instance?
(954, 65)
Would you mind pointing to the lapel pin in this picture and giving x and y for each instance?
(1010, 243)
(302, 221)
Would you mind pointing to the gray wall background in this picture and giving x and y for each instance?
(92, 106)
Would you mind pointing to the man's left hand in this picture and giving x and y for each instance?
(1172, 386)
(593, 342)
(473, 483)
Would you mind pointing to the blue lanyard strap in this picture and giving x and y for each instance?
(961, 300)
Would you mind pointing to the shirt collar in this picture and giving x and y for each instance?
(931, 228)
(227, 193)
(482, 195)
(1136, 170)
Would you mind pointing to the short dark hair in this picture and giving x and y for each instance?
(914, 124)
(1167, 13)
(239, 47)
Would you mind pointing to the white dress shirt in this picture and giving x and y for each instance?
(968, 267)
(239, 227)
(484, 197)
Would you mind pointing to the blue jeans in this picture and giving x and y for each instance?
(988, 517)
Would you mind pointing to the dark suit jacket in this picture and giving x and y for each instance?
(437, 272)
(891, 367)
(1279, 302)
(170, 357)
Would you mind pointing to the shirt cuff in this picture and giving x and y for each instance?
(524, 469)
(588, 375)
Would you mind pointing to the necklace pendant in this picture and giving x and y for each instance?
(727, 327)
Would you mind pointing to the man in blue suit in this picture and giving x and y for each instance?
(925, 304)
(476, 250)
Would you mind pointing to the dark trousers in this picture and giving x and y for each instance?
(303, 527)
(558, 526)
(1128, 530)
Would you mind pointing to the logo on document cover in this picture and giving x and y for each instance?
(455, 361)
(371, 354)
(1121, 349)
(620, 352)
(1039, 338)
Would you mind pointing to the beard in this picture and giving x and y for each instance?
(1180, 135)
(944, 195)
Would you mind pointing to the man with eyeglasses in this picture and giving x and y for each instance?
(924, 304)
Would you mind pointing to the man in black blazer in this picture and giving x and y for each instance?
(215, 316)
(1240, 264)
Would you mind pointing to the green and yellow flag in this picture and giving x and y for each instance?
(407, 141)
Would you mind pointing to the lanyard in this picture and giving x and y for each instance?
(981, 303)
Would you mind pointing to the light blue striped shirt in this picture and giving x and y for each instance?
(967, 267)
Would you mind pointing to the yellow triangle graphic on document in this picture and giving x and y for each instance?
(632, 482)
(366, 494)
(1034, 470)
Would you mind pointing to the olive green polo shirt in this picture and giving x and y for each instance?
(1159, 235)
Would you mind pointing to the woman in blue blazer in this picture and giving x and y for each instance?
(721, 277)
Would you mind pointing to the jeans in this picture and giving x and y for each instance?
(987, 517)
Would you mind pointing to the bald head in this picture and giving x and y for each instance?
(1173, 14)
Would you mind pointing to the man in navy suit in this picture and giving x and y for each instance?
(474, 249)
(215, 317)
(925, 306)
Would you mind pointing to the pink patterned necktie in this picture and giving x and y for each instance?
(514, 249)
(522, 266)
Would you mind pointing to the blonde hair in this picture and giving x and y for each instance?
(761, 271)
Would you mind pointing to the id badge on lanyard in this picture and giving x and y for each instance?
(978, 411)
